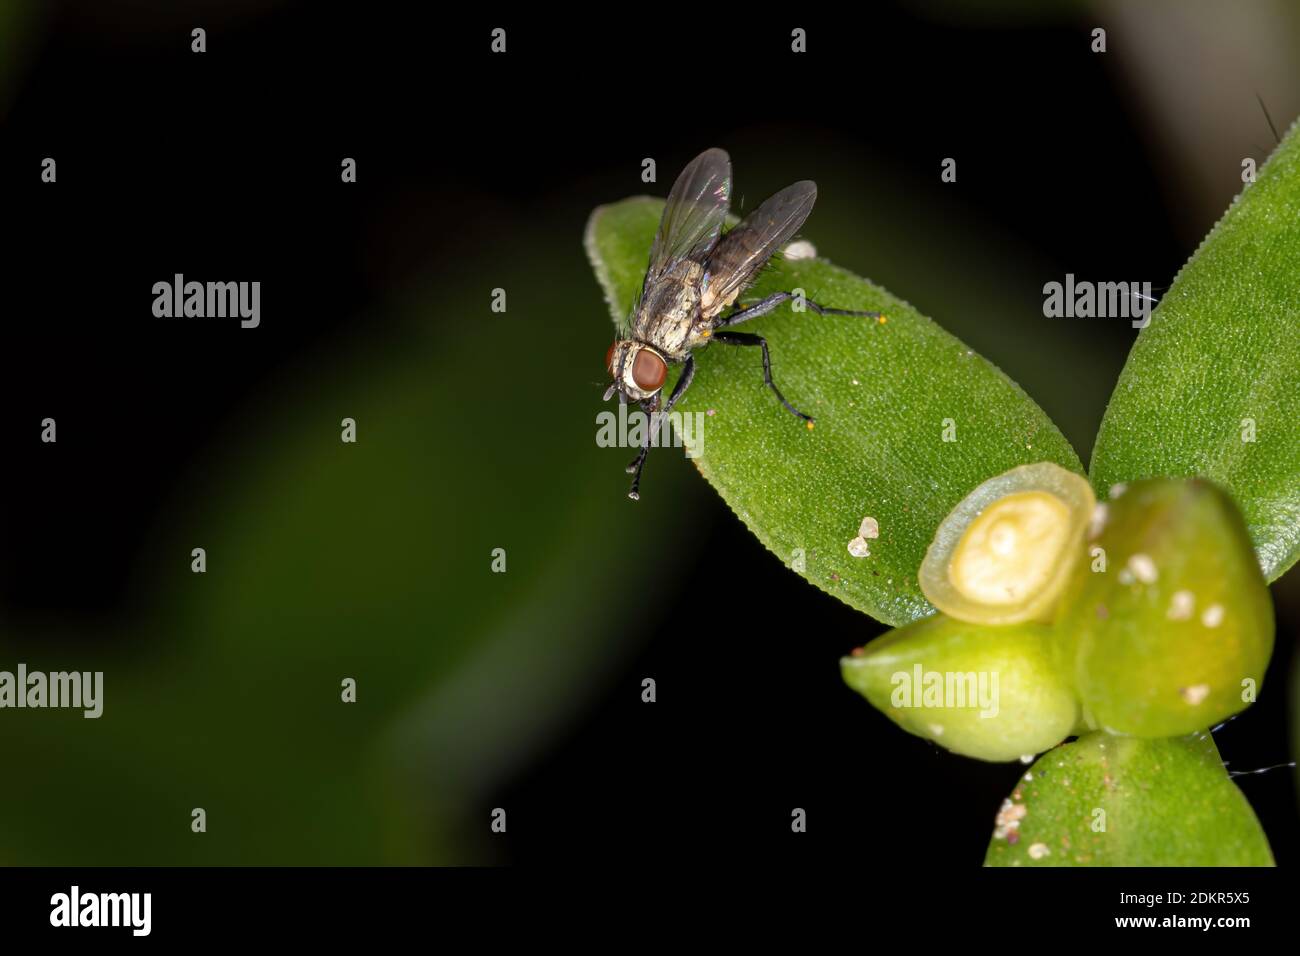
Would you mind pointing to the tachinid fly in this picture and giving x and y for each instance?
(696, 273)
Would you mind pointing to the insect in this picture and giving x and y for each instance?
(697, 272)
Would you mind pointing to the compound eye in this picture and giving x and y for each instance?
(609, 358)
(649, 371)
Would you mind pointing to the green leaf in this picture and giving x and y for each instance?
(882, 394)
(1216, 368)
(1125, 801)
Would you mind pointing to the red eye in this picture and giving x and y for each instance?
(609, 358)
(648, 371)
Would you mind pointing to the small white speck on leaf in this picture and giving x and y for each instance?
(1181, 606)
(1143, 568)
(1008, 819)
(1097, 522)
(870, 528)
(801, 249)
(1196, 693)
(858, 547)
(1213, 615)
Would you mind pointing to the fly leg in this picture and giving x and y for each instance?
(748, 338)
(765, 306)
(638, 463)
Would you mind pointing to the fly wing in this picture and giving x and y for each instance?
(694, 213)
(743, 251)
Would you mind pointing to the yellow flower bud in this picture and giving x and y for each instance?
(1005, 552)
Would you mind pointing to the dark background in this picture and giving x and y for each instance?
(477, 171)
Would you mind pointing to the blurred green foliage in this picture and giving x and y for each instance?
(372, 560)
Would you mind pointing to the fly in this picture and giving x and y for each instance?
(696, 274)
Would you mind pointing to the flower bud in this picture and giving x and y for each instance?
(1171, 630)
(986, 692)
(1004, 553)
